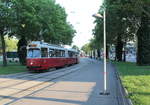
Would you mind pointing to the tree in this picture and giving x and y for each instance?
(30, 20)
(11, 43)
(22, 51)
(86, 48)
(42, 20)
(123, 21)
(6, 19)
(143, 36)
(75, 47)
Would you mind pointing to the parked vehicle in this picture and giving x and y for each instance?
(12, 56)
(43, 56)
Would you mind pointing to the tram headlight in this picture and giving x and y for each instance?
(31, 63)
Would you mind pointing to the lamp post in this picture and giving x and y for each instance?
(105, 92)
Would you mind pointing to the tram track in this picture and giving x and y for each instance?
(44, 79)
(59, 75)
(27, 77)
(31, 78)
(37, 77)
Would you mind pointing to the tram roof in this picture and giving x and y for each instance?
(74, 50)
(43, 44)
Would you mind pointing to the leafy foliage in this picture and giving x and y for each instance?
(34, 20)
(123, 20)
(43, 20)
(11, 43)
(86, 48)
(6, 19)
(75, 47)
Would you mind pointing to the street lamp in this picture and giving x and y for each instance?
(105, 72)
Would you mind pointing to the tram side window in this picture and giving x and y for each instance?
(51, 53)
(44, 52)
(58, 53)
(76, 54)
(73, 54)
(70, 54)
(62, 53)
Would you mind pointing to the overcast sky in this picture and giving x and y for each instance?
(80, 16)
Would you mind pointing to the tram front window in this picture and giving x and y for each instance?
(34, 53)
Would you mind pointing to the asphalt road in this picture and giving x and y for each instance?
(75, 85)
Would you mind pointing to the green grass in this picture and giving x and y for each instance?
(12, 68)
(136, 79)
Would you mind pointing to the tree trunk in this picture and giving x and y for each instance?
(124, 56)
(91, 54)
(143, 44)
(3, 49)
(119, 48)
(124, 52)
(22, 52)
(94, 54)
(107, 51)
(98, 53)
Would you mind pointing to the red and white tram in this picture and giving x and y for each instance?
(43, 56)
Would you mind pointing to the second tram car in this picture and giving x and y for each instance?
(43, 56)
